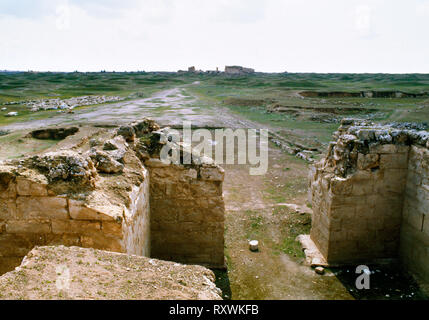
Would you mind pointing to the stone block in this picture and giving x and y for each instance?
(41, 207)
(367, 161)
(155, 163)
(113, 229)
(341, 186)
(212, 174)
(415, 220)
(101, 242)
(28, 226)
(394, 161)
(361, 188)
(67, 239)
(413, 178)
(75, 227)
(79, 211)
(426, 225)
(388, 148)
(25, 187)
(7, 209)
(8, 190)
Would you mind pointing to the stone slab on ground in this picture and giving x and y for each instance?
(313, 256)
(58, 272)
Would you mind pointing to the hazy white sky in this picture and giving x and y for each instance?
(268, 35)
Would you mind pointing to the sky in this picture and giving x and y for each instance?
(372, 36)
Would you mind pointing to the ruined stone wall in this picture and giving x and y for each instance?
(370, 196)
(358, 217)
(414, 247)
(136, 226)
(30, 216)
(187, 213)
(94, 199)
(113, 193)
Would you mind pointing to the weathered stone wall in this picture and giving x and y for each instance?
(31, 216)
(414, 247)
(136, 226)
(371, 185)
(187, 213)
(358, 217)
(99, 194)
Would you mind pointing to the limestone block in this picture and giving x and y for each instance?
(364, 211)
(362, 175)
(190, 174)
(415, 220)
(79, 211)
(28, 226)
(8, 190)
(155, 163)
(338, 235)
(112, 228)
(7, 209)
(394, 161)
(367, 161)
(361, 188)
(102, 242)
(75, 227)
(212, 174)
(423, 198)
(192, 215)
(413, 178)
(25, 187)
(341, 186)
(42, 207)
(375, 224)
(342, 212)
(68, 240)
(215, 215)
(206, 188)
(388, 148)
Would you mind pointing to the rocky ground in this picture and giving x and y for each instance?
(87, 274)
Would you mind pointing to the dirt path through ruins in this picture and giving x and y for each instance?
(253, 212)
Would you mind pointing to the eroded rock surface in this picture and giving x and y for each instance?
(86, 274)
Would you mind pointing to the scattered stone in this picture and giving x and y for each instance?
(320, 270)
(254, 245)
(68, 104)
(105, 163)
(12, 114)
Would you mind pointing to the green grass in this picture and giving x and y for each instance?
(224, 90)
(255, 224)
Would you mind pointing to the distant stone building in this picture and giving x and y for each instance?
(238, 70)
(191, 69)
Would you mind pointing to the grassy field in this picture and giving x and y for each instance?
(310, 119)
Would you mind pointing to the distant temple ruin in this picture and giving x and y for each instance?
(238, 70)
